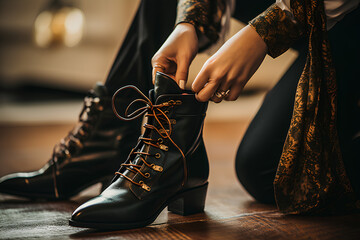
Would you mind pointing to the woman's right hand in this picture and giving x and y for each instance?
(176, 54)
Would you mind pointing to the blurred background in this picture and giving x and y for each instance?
(52, 53)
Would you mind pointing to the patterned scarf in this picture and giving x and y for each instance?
(311, 177)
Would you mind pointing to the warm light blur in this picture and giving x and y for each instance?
(62, 26)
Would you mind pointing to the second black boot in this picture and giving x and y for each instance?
(167, 168)
(89, 154)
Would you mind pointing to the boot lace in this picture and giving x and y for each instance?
(159, 114)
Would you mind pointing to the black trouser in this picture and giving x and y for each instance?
(260, 150)
(153, 23)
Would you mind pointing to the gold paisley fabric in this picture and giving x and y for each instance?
(311, 177)
(274, 34)
(205, 15)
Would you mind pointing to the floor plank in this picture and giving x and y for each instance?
(230, 213)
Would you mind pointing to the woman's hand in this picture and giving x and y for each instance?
(230, 67)
(176, 54)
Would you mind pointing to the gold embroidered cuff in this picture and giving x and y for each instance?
(277, 30)
(205, 15)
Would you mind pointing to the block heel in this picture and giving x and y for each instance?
(189, 202)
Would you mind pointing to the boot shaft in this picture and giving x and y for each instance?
(176, 158)
(98, 139)
(98, 129)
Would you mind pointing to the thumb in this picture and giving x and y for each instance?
(182, 74)
(157, 68)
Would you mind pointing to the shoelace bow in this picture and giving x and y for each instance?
(160, 117)
(73, 141)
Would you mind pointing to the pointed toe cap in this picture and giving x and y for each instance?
(93, 211)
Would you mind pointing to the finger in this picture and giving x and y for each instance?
(157, 68)
(224, 87)
(234, 93)
(217, 98)
(208, 90)
(200, 80)
(182, 74)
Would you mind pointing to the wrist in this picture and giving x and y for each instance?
(189, 30)
(185, 27)
(256, 38)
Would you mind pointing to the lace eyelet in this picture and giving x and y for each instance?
(85, 134)
(164, 147)
(160, 140)
(82, 132)
(147, 175)
(67, 154)
(178, 102)
(156, 168)
(144, 186)
(162, 131)
(157, 155)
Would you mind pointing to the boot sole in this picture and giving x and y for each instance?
(31, 196)
(188, 202)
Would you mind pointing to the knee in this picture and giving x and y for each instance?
(244, 166)
(256, 180)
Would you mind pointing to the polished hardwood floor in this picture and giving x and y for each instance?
(230, 212)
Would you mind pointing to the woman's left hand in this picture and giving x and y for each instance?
(230, 67)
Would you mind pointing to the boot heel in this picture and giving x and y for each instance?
(105, 182)
(190, 202)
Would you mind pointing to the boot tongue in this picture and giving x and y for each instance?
(164, 84)
(100, 90)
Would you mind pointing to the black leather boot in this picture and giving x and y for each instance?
(89, 154)
(168, 166)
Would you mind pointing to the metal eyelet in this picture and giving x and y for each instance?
(156, 168)
(178, 102)
(157, 155)
(162, 131)
(164, 147)
(171, 102)
(144, 186)
(147, 175)
(81, 132)
(67, 154)
(76, 141)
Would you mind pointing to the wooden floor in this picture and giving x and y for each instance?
(230, 212)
